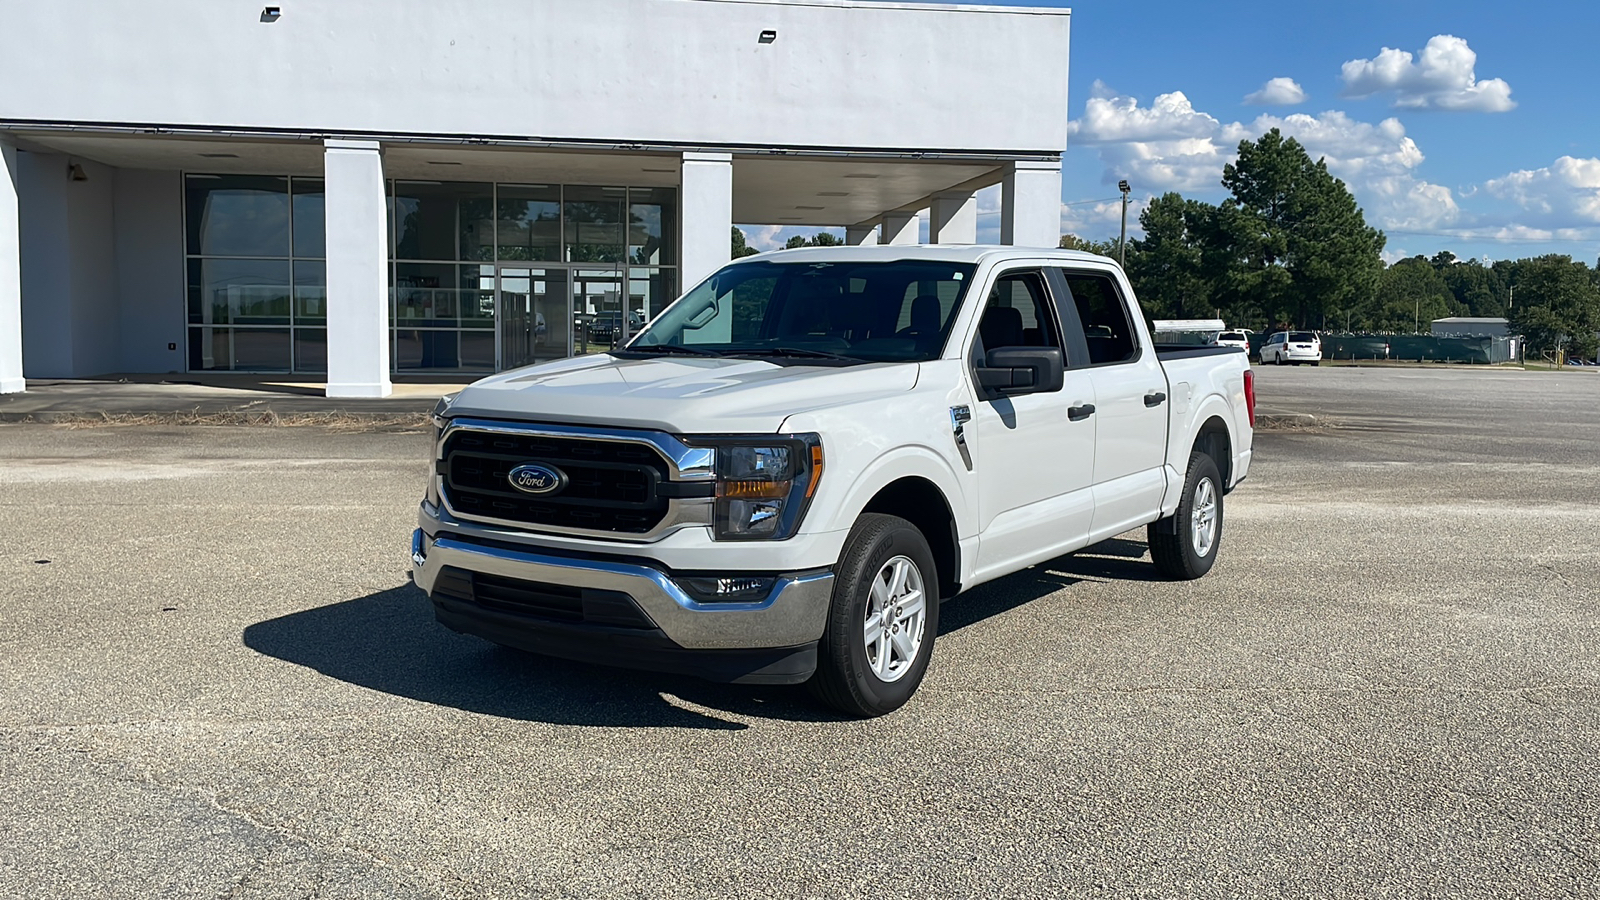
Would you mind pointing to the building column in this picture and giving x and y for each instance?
(861, 235)
(358, 263)
(705, 201)
(1030, 204)
(900, 228)
(954, 218)
(11, 381)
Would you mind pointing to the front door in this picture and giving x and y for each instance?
(532, 316)
(1034, 454)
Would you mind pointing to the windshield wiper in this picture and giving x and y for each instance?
(666, 350)
(803, 352)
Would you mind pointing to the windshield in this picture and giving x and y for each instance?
(851, 311)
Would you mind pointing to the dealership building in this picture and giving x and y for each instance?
(354, 190)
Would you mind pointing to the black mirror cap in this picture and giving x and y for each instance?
(1022, 370)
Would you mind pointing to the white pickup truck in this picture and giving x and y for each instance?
(782, 477)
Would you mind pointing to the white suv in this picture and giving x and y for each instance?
(1294, 347)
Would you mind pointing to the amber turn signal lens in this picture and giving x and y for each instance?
(753, 490)
(816, 470)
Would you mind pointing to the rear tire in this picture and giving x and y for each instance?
(1184, 545)
(887, 586)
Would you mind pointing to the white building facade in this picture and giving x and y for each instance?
(356, 190)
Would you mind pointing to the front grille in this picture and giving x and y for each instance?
(611, 486)
(541, 600)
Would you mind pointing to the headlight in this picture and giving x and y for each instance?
(764, 484)
(438, 417)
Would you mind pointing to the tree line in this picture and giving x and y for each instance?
(1289, 248)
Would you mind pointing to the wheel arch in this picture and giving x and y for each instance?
(921, 502)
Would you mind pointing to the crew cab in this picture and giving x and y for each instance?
(785, 473)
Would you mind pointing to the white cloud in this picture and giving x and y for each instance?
(1278, 92)
(1564, 194)
(1166, 146)
(1376, 161)
(1442, 76)
(1172, 146)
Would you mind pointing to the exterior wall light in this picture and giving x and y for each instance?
(76, 172)
(768, 36)
(271, 14)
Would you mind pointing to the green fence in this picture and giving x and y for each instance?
(1472, 349)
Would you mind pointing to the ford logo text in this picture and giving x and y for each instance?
(531, 478)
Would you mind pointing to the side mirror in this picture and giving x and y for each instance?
(1009, 371)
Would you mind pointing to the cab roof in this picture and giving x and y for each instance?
(956, 253)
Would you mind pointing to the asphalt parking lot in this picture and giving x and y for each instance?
(217, 681)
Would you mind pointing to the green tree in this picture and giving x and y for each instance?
(1299, 246)
(740, 248)
(1173, 266)
(820, 239)
(1099, 248)
(1558, 303)
(1411, 293)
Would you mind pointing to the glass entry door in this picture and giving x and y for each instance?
(532, 319)
(599, 306)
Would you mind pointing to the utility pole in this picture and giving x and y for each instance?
(1122, 245)
(1416, 324)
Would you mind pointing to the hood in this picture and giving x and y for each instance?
(680, 395)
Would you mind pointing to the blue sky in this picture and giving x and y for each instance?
(1483, 141)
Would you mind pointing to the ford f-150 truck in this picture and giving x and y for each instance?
(782, 477)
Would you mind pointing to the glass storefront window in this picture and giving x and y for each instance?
(528, 222)
(652, 226)
(477, 296)
(311, 350)
(310, 218)
(443, 220)
(310, 292)
(237, 215)
(593, 223)
(247, 349)
(426, 295)
(239, 291)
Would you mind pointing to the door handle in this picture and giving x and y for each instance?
(1154, 398)
(1079, 413)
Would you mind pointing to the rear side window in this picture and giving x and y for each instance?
(1300, 337)
(1106, 328)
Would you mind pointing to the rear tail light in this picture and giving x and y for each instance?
(1250, 395)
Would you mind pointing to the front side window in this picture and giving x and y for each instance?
(1018, 314)
(852, 312)
(1106, 327)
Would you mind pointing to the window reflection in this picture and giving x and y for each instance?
(529, 222)
(593, 227)
(237, 215)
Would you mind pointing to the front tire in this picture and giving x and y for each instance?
(884, 617)
(1184, 546)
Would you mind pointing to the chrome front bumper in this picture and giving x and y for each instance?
(793, 613)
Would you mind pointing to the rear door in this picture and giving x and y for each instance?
(1033, 456)
(1131, 404)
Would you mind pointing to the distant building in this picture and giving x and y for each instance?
(1481, 326)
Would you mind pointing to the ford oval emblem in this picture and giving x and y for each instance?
(532, 478)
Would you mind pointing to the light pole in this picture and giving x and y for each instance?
(1122, 245)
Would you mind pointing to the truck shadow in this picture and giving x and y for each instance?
(1114, 560)
(389, 642)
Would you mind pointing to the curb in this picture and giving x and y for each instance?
(401, 418)
(1285, 421)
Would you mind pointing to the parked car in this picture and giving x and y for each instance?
(1293, 347)
(1232, 339)
(782, 476)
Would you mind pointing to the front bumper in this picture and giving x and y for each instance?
(789, 620)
